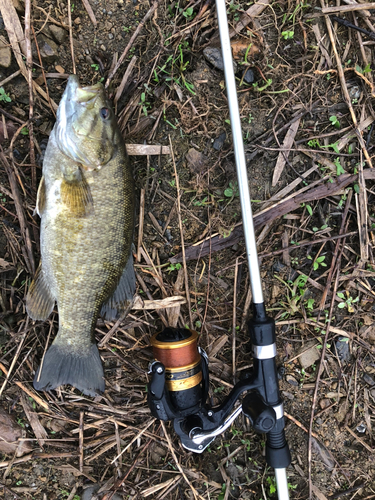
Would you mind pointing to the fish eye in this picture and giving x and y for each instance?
(105, 113)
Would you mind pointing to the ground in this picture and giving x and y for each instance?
(310, 93)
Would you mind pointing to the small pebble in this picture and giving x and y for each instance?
(110, 12)
(104, 11)
(291, 380)
(368, 379)
(87, 52)
(342, 349)
(219, 141)
(361, 428)
(110, 36)
(103, 48)
(249, 76)
(215, 57)
(59, 69)
(77, 20)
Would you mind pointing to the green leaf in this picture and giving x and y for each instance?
(341, 305)
(309, 209)
(341, 295)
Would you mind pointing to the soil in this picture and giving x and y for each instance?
(318, 288)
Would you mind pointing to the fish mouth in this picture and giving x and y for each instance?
(82, 95)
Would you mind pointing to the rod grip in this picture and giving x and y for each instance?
(277, 449)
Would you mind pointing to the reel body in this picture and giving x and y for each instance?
(179, 383)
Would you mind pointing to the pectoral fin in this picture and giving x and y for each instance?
(121, 301)
(76, 194)
(40, 198)
(39, 300)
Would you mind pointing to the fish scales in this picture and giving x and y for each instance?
(86, 203)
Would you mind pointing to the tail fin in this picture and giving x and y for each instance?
(82, 370)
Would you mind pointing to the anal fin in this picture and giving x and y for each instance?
(39, 300)
(76, 194)
(121, 301)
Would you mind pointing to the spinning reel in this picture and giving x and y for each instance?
(179, 384)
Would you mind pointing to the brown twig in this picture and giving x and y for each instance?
(320, 370)
(152, 9)
(343, 81)
(234, 321)
(90, 12)
(20, 213)
(181, 234)
(71, 37)
(29, 62)
(81, 423)
(141, 223)
(347, 8)
(194, 491)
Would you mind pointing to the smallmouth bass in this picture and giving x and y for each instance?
(86, 204)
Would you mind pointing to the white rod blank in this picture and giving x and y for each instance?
(239, 153)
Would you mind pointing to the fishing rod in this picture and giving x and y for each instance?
(178, 388)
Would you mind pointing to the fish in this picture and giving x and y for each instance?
(86, 204)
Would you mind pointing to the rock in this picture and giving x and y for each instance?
(214, 56)
(323, 453)
(342, 349)
(19, 111)
(90, 493)
(219, 141)
(196, 161)
(291, 380)
(324, 403)
(368, 379)
(361, 428)
(5, 53)
(59, 69)
(47, 48)
(309, 354)
(249, 76)
(58, 34)
(77, 20)
(11, 433)
(288, 395)
(110, 36)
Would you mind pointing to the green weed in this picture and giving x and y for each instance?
(4, 96)
(287, 35)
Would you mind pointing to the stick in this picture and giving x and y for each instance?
(347, 8)
(29, 60)
(71, 37)
(27, 390)
(131, 41)
(20, 213)
(182, 234)
(90, 12)
(141, 222)
(234, 322)
(343, 82)
(194, 491)
(125, 78)
(81, 441)
(6, 80)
